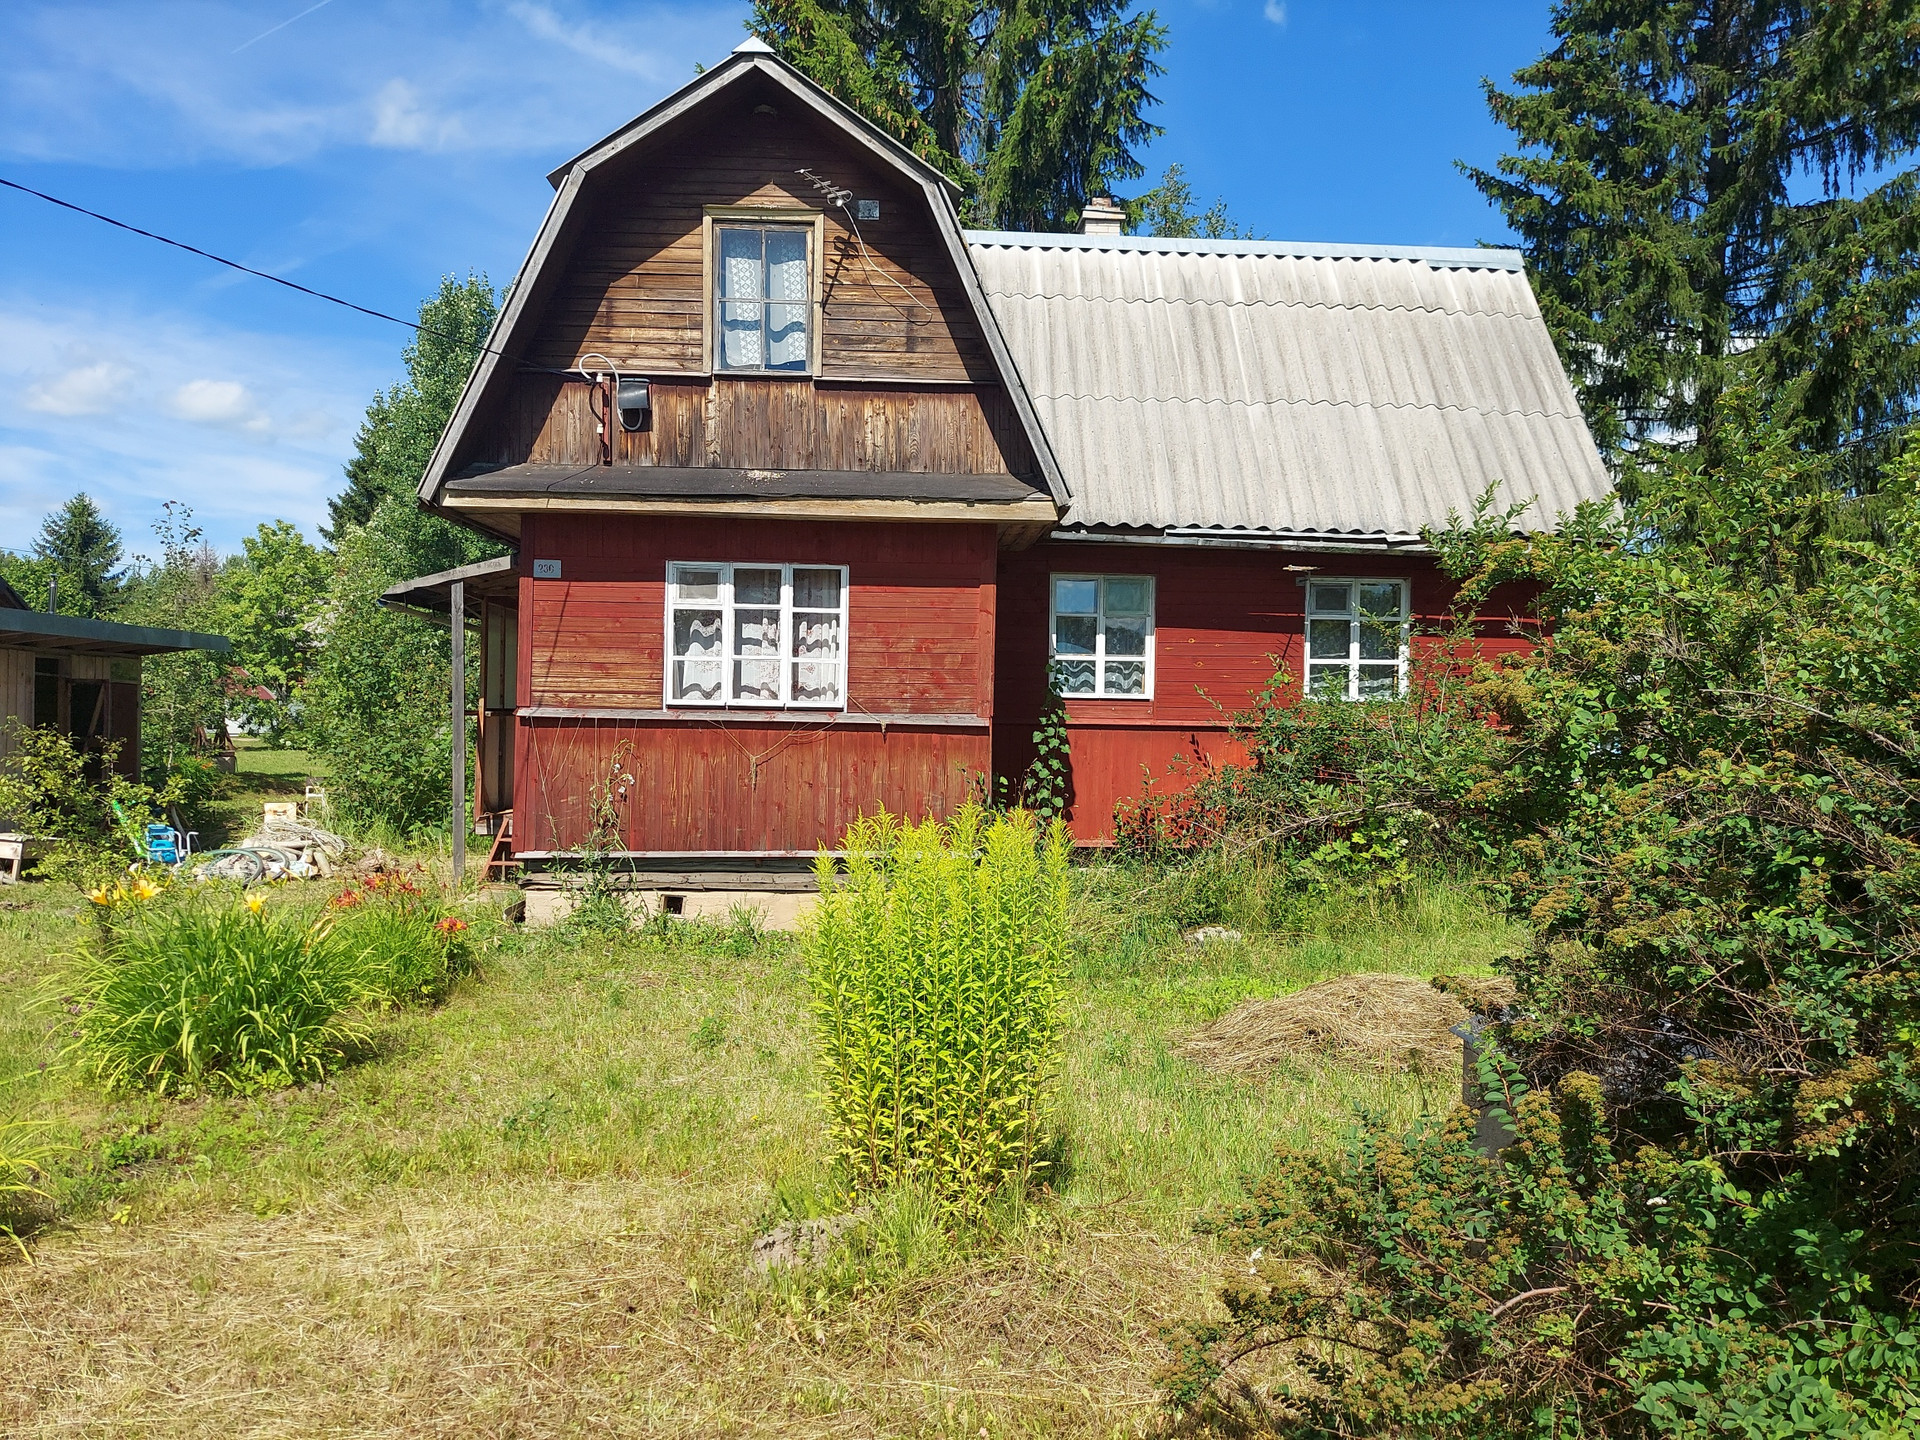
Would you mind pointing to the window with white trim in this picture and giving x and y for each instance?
(1356, 638)
(761, 636)
(761, 297)
(1102, 635)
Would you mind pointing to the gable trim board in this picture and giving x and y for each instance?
(497, 362)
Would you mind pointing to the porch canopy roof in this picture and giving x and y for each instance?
(495, 579)
(76, 635)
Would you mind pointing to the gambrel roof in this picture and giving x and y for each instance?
(1358, 392)
(525, 297)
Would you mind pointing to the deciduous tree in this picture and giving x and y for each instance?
(269, 599)
(376, 696)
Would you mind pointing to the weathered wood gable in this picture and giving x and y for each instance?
(903, 378)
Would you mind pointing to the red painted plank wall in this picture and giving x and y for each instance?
(1224, 621)
(919, 619)
(754, 788)
(921, 603)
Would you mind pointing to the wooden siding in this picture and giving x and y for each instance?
(1225, 621)
(905, 379)
(635, 286)
(920, 606)
(16, 694)
(751, 788)
(118, 700)
(766, 423)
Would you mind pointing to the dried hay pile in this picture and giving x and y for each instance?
(1383, 1022)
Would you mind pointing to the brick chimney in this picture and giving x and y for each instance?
(1100, 216)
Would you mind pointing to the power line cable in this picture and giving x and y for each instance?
(278, 280)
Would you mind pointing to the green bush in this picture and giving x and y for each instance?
(1700, 789)
(1628, 1299)
(93, 815)
(406, 949)
(205, 993)
(936, 965)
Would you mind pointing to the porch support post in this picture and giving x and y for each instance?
(459, 707)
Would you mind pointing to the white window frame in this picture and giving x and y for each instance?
(728, 656)
(1099, 656)
(1351, 614)
(807, 223)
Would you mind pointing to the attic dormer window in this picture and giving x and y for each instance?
(762, 298)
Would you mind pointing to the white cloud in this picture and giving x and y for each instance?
(401, 122)
(227, 447)
(592, 43)
(1276, 11)
(130, 82)
(226, 403)
(83, 390)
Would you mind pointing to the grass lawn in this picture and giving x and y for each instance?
(259, 775)
(529, 1211)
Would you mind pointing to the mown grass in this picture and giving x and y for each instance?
(529, 1210)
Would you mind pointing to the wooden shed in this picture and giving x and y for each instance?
(78, 676)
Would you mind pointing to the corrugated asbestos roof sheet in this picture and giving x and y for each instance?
(1288, 388)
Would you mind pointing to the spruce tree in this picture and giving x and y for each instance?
(1031, 108)
(1167, 211)
(79, 550)
(1716, 192)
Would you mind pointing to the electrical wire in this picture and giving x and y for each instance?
(462, 340)
(834, 194)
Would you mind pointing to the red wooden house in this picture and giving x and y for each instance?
(806, 485)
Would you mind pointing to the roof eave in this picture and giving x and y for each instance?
(36, 626)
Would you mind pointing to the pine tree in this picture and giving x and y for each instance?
(78, 548)
(1710, 193)
(1029, 108)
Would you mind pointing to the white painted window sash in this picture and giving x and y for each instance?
(726, 606)
(1352, 665)
(1099, 659)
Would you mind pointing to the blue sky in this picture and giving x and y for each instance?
(367, 147)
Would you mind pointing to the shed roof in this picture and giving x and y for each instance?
(74, 634)
(1291, 389)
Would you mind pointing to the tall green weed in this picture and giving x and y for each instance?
(936, 965)
(197, 993)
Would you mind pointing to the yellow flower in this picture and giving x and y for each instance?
(99, 896)
(145, 888)
(256, 903)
